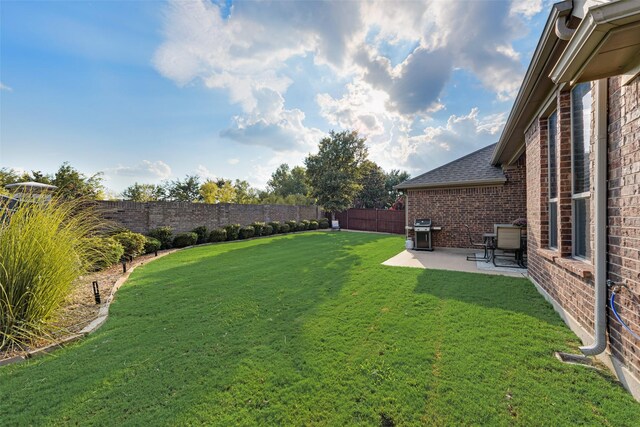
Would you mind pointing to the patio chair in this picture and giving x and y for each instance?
(484, 245)
(508, 240)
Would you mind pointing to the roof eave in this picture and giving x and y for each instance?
(477, 183)
(590, 38)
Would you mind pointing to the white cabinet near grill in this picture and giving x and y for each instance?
(423, 228)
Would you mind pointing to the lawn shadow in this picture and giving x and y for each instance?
(194, 322)
(513, 294)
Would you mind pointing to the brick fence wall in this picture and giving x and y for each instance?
(478, 207)
(569, 281)
(185, 216)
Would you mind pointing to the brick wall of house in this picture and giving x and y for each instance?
(478, 207)
(185, 216)
(569, 281)
(624, 214)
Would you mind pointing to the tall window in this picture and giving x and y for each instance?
(581, 137)
(553, 180)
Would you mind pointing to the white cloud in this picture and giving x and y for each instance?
(204, 172)
(5, 87)
(395, 60)
(460, 136)
(146, 169)
(233, 161)
(526, 8)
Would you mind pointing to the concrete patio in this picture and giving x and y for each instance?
(453, 259)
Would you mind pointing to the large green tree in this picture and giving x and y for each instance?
(285, 181)
(334, 173)
(144, 193)
(373, 193)
(244, 193)
(73, 184)
(393, 178)
(184, 190)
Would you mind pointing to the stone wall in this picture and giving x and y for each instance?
(570, 281)
(478, 207)
(185, 216)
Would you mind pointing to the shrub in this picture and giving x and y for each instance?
(233, 230)
(218, 235)
(44, 247)
(284, 228)
(164, 234)
(133, 243)
(258, 227)
(151, 245)
(183, 240)
(276, 227)
(203, 234)
(313, 225)
(105, 251)
(268, 230)
(293, 225)
(323, 223)
(247, 232)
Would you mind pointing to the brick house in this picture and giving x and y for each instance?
(577, 121)
(469, 190)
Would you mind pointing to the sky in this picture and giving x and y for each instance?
(145, 91)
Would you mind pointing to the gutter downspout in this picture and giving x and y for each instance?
(600, 220)
(565, 10)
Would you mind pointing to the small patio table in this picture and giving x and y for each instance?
(489, 241)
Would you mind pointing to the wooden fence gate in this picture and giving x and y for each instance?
(383, 220)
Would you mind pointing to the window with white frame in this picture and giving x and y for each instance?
(580, 139)
(552, 123)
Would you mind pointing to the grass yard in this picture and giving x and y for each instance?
(310, 329)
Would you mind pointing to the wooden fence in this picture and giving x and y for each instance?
(382, 220)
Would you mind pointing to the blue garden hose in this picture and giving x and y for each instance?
(615, 313)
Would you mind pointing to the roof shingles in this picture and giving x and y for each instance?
(472, 169)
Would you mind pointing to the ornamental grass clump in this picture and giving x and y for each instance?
(44, 247)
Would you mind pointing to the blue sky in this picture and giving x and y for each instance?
(149, 90)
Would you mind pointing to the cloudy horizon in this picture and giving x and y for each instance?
(148, 91)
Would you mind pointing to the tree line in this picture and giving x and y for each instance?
(337, 177)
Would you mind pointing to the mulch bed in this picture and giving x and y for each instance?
(80, 308)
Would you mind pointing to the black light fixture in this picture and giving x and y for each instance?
(124, 265)
(96, 292)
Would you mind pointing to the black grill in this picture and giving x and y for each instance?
(423, 227)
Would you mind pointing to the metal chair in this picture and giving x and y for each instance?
(484, 245)
(508, 239)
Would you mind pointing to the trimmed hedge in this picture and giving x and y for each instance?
(268, 230)
(185, 239)
(133, 243)
(218, 235)
(323, 223)
(258, 227)
(164, 234)
(106, 251)
(233, 230)
(313, 225)
(203, 234)
(284, 228)
(293, 225)
(247, 232)
(151, 245)
(276, 226)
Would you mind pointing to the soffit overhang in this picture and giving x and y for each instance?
(605, 44)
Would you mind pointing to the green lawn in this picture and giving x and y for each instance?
(310, 329)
